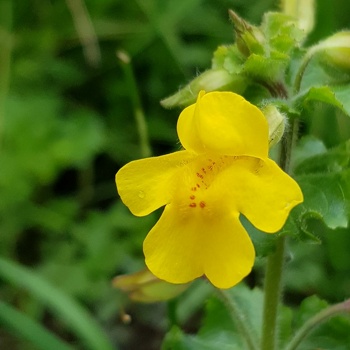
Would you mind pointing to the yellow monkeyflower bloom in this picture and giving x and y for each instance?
(223, 171)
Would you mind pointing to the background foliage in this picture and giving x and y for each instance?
(66, 127)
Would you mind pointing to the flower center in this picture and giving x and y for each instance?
(201, 174)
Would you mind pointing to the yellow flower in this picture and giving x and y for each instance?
(224, 171)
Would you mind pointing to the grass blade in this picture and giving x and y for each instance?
(20, 324)
(78, 319)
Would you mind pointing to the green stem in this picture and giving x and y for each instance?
(85, 30)
(273, 292)
(316, 321)
(239, 319)
(275, 261)
(5, 57)
(304, 63)
(136, 102)
(172, 313)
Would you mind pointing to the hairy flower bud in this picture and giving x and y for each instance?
(277, 123)
(249, 38)
(143, 286)
(303, 11)
(336, 49)
(210, 80)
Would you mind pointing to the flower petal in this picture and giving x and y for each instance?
(181, 247)
(147, 184)
(224, 123)
(261, 191)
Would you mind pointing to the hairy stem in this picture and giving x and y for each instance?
(239, 319)
(275, 262)
(273, 293)
(304, 63)
(316, 321)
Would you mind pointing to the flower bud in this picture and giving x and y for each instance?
(336, 49)
(210, 80)
(303, 11)
(277, 123)
(143, 286)
(249, 39)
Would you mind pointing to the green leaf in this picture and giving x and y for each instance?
(282, 31)
(323, 83)
(192, 300)
(319, 74)
(177, 340)
(338, 244)
(228, 58)
(75, 316)
(342, 95)
(31, 331)
(337, 96)
(249, 301)
(264, 244)
(308, 146)
(265, 68)
(335, 160)
(308, 308)
(324, 179)
(320, 94)
(219, 330)
(324, 199)
(218, 327)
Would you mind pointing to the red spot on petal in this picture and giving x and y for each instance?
(199, 175)
(202, 204)
(193, 205)
(192, 197)
(204, 171)
(198, 185)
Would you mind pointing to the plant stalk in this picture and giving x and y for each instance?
(136, 102)
(316, 321)
(273, 294)
(275, 262)
(239, 319)
(86, 32)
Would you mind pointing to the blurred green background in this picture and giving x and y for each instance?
(67, 125)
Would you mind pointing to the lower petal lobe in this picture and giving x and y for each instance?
(184, 246)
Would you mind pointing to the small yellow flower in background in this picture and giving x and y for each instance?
(223, 171)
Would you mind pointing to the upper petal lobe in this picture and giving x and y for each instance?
(223, 123)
